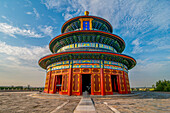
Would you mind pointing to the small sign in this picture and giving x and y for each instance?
(86, 25)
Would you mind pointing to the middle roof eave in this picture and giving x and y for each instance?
(64, 35)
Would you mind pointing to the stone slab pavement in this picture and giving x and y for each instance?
(85, 106)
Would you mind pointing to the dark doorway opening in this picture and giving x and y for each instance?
(86, 83)
(114, 83)
(58, 83)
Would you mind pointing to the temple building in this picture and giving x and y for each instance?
(87, 57)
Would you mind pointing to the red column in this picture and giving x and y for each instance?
(81, 84)
(69, 81)
(92, 84)
(55, 80)
(53, 84)
(102, 81)
(46, 80)
(126, 92)
(128, 88)
(49, 82)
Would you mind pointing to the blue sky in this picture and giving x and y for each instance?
(27, 27)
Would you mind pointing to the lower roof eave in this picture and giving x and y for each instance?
(95, 55)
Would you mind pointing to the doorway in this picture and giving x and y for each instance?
(58, 83)
(86, 83)
(114, 83)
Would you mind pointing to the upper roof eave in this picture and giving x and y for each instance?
(94, 17)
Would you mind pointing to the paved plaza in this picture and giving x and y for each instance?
(34, 102)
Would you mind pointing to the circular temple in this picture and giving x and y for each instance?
(87, 57)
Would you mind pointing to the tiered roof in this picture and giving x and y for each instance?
(68, 45)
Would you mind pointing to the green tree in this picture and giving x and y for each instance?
(162, 85)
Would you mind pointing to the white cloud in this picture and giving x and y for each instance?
(149, 72)
(67, 16)
(12, 31)
(36, 13)
(20, 64)
(46, 30)
(14, 71)
(29, 13)
(70, 8)
(137, 48)
(130, 17)
(14, 60)
(32, 53)
(161, 15)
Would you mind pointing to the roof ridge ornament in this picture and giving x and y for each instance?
(86, 13)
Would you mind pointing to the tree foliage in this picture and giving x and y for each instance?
(162, 85)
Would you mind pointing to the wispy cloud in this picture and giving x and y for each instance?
(156, 44)
(28, 3)
(130, 17)
(36, 13)
(4, 17)
(29, 13)
(137, 48)
(27, 25)
(142, 61)
(53, 19)
(168, 57)
(47, 30)
(12, 31)
(160, 43)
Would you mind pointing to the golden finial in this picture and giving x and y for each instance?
(86, 13)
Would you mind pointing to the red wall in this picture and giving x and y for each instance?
(101, 83)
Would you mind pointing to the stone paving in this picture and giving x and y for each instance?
(85, 106)
(148, 102)
(20, 102)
